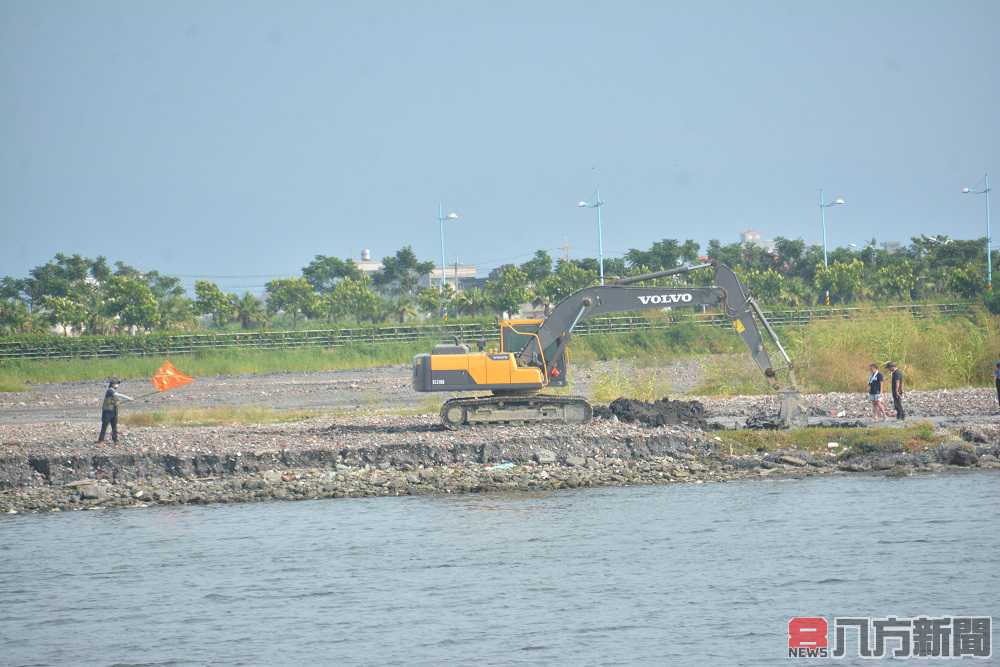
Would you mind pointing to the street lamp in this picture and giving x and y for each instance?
(989, 241)
(598, 204)
(441, 220)
(839, 201)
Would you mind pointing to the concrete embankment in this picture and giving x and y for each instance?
(401, 456)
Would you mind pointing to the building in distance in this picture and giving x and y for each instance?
(459, 276)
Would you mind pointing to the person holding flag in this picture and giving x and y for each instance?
(165, 378)
(109, 410)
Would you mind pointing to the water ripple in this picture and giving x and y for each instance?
(653, 575)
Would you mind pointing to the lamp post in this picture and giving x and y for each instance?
(839, 201)
(598, 204)
(441, 220)
(989, 240)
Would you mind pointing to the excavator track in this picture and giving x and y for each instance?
(459, 413)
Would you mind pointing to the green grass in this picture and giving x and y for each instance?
(731, 375)
(913, 437)
(247, 414)
(209, 363)
(682, 339)
(646, 384)
(256, 414)
(11, 384)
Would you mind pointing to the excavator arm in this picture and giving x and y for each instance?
(555, 332)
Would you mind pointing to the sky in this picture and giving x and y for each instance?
(234, 141)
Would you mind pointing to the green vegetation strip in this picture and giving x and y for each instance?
(14, 374)
(682, 340)
(248, 414)
(830, 355)
(912, 437)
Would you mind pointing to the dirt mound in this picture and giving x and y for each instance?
(658, 413)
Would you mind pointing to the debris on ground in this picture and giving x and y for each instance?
(766, 421)
(658, 413)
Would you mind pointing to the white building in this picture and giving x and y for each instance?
(753, 237)
(750, 237)
(459, 276)
(366, 265)
(456, 275)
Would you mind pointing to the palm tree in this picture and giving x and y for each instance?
(249, 310)
(470, 302)
(404, 308)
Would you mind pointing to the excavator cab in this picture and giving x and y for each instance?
(515, 335)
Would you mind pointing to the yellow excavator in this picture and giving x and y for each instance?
(532, 353)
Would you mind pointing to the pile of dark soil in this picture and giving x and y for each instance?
(657, 413)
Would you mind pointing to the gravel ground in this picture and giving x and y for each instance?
(70, 412)
(384, 387)
(973, 401)
(389, 389)
(357, 431)
(48, 458)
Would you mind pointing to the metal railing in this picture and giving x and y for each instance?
(332, 338)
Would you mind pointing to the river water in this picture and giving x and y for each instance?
(681, 574)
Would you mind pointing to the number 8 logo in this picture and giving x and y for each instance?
(807, 632)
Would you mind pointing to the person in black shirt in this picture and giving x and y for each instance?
(875, 392)
(109, 410)
(896, 384)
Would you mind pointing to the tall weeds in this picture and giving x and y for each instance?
(833, 355)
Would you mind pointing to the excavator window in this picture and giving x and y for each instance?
(515, 334)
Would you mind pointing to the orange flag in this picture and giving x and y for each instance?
(168, 377)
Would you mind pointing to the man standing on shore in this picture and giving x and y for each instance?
(109, 410)
(896, 382)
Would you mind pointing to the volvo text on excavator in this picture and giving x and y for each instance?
(532, 353)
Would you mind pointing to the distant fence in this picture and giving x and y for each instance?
(162, 344)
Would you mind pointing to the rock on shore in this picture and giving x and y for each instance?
(53, 468)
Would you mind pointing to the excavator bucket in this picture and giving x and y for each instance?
(792, 412)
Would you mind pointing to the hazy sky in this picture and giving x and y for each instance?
(242, 138)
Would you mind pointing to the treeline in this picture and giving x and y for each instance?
(86, 295)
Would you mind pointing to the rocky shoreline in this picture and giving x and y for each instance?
(393, 456)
